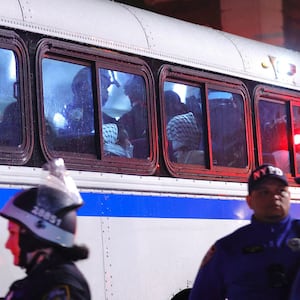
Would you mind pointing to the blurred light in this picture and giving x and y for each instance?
(59, 121)
(180, 89)
(12, 66)
(215, 95)
(284, 67)
(297, 139)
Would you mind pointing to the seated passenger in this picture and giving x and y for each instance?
(135, 122)
(11, 134)
(194, 105)
(115, 141)
(80, 113)
(174, 106)
(185, 137)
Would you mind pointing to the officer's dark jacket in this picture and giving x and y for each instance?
(54, 278)
(252, 263)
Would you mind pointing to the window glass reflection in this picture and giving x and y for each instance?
(228, 131)
(68, 106)
(124, 114)
(274, 138)
(296, 116)
(10, 112)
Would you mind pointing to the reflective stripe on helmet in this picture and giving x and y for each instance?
(42, 225)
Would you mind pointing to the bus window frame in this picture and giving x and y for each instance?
(206, 81)
(20, 154)
(99, 58)
(296, 164)
(248, 138)
(290, 99)
(42, 126)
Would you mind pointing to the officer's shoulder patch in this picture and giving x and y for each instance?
(61, 292)
(209, 254)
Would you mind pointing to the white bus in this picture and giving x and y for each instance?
(160, 122)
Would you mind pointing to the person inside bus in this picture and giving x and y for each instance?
(116, 141)
(135, 122)
(173, 105)
(185, 137)
(194, 105)
(10, 126)
(257, 261)
(80, 113)
(42, 226)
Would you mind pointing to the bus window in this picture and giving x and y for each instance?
(183, 121)
(124, 114)
(228, 132)
(68, 107)
(10, 113)
(296, 123)
(274, 136)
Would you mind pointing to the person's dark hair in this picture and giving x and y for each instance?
(81, 78)
(173, 104)
(135, 89)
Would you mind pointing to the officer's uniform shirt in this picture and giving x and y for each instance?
(252, 263)
(295, 293)
(51, 280)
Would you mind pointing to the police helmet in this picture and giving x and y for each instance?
(48, 211)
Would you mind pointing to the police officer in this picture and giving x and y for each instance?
(41, 225)
(257, 261)
(295, 243)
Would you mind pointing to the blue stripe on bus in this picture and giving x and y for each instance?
(149, 206)
(145, 206)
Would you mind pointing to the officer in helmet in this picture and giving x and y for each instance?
(42, 225)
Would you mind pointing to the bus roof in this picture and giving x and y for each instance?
(124, 28)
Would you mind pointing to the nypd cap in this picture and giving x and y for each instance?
(264, 172)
